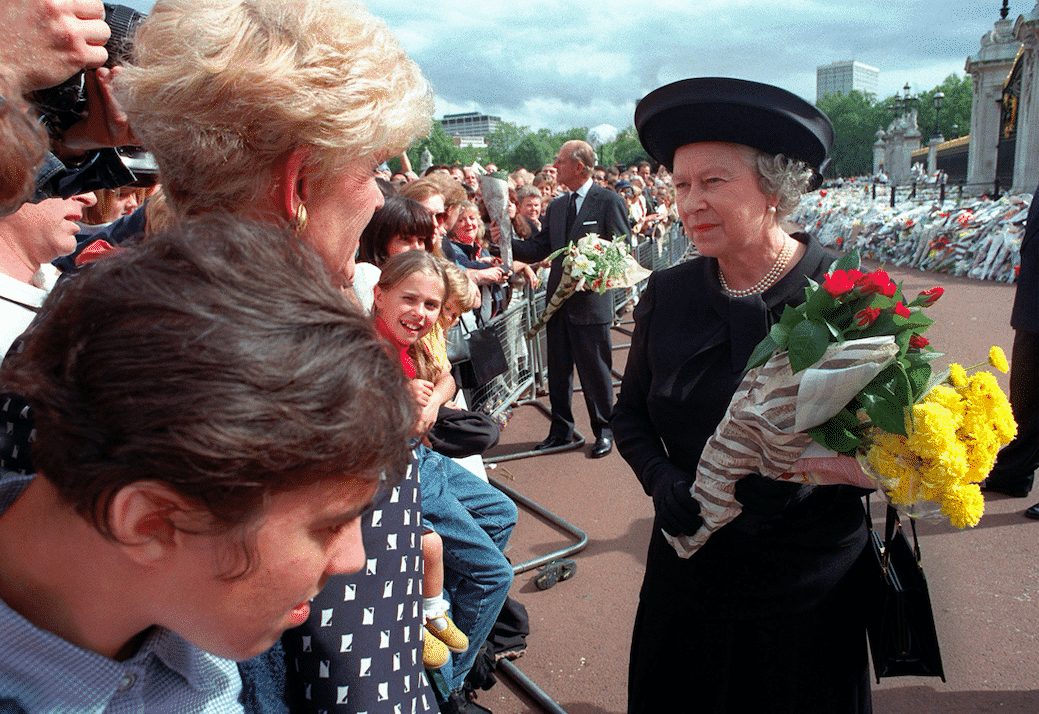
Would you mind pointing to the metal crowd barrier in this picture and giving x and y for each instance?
(527, 372)
(527, 375)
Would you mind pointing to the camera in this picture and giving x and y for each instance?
(62, 106)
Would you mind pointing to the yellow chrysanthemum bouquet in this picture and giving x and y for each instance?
(953, 435)
(927, 440)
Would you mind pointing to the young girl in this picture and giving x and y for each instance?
(471, 518)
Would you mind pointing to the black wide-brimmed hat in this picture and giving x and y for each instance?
(736, 111)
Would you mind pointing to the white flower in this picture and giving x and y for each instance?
(583, 264)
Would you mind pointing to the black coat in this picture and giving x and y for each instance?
(691, 343)
(1026, 301)
(602, 212)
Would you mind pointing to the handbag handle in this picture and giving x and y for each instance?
(892, 525)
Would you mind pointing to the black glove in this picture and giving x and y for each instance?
(764, 501)
(678, 512)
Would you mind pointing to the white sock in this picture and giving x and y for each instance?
(434, 608)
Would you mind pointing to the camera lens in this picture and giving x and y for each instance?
(123, 22)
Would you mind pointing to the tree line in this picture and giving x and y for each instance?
(856, 118)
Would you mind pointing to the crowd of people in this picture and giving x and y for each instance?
(234, 451)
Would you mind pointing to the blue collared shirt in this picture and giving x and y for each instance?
(40, 673)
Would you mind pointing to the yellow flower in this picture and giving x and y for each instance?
(998, 359)
(964, 505)
(957, 375)
(948, 397)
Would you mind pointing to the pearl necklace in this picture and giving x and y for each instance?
(766, 282)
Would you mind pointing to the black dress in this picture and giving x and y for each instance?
(765, 616)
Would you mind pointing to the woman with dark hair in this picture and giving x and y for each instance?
(765, 616)
(398, 226)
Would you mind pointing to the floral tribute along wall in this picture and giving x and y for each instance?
(976, 238)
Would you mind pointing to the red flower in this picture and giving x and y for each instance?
(840, 282)
(823, 193)
(901, 310)
(866, 316)
(877, 282)
(930, 297)
(918, 341)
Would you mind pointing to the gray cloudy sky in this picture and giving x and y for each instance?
(558, 65)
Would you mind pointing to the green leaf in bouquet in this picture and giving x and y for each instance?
(885, 414)
(900, 384)
(919, 319)
(902, 340)
(836, 437)
(819, 305)
(849, 261)
(764, 349)
(919, 374)
(791, 317)
(806, 344)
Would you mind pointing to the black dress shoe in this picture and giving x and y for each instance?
(1033, 512)
(1011, 490)
(552, 442)
(603, 446)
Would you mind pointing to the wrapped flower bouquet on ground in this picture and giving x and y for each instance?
(592, 263)
(847, 374)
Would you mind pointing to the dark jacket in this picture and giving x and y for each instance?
(792, 543)
(602, 212)
(1026, 302)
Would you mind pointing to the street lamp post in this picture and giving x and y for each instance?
(938, 97)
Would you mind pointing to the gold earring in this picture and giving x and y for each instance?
(300, 224)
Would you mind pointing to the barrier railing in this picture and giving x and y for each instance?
(520, 383)
(527, 371)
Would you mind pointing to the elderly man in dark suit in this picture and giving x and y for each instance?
(579, 333)
(1015, 468)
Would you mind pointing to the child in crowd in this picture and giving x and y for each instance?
(472, 519)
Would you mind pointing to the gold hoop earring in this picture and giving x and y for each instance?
(301, 220)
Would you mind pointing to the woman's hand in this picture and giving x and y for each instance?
(677, 511)
(831, 471)
(487, 276)
(426, 418)
(421, 391)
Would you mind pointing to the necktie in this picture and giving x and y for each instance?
(571, 212)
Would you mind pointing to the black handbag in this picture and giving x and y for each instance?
(900, 624)
(458, 433)
(478, 353)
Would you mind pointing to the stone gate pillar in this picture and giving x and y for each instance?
(988, 70)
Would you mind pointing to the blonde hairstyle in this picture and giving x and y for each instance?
(100, 212)
(481, 227)
(395, 271)
(452, 191)
(221, 90)
(459, 288)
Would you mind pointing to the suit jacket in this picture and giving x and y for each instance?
(1026, 302)
(602, 212)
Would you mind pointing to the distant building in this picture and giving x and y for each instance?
(472, 124)
(842, 77)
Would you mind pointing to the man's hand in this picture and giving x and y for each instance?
(48, 41)
(105, 123)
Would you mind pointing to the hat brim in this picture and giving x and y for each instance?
(735, 111)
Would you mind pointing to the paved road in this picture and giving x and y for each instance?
(984, 582)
